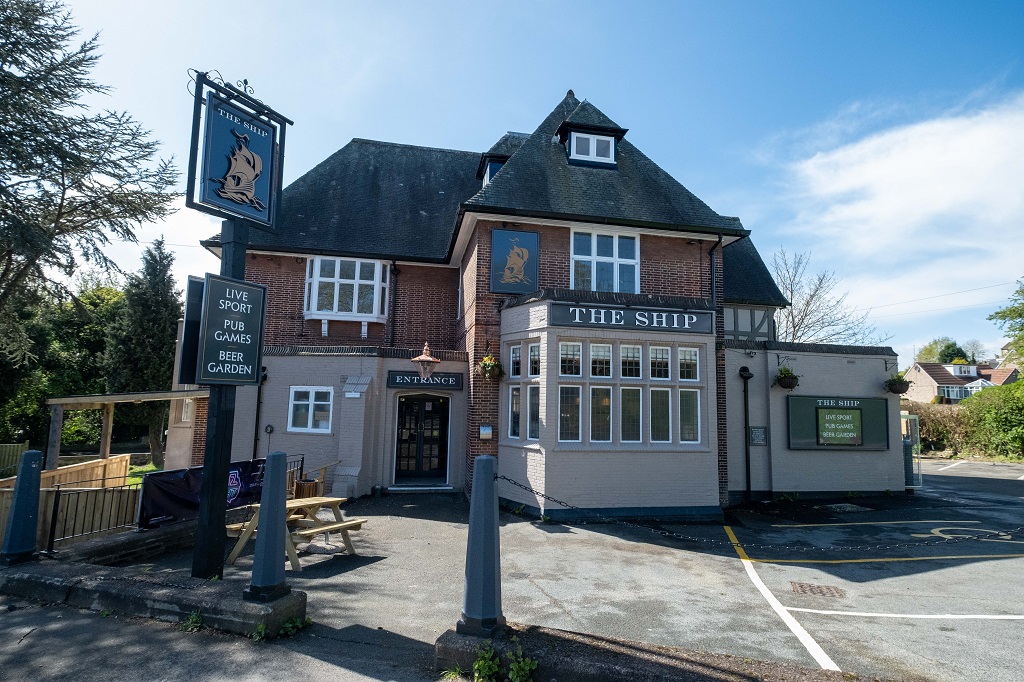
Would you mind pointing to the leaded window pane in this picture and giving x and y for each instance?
(569, 359)
(629, 411)
(688, 363)
(630, 361)
(689, 416)
(569, 413)
(345, 293)
(660, 363)
(533, 396)
(660, 416)
(600, 414)
(515, 363)
(513, 412)
(535, 360)
(600, 360)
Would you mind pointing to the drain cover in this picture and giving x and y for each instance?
(844, 507)
(817, 590)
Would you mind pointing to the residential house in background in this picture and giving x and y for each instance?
(954, 382)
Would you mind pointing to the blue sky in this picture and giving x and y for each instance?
(887, 138)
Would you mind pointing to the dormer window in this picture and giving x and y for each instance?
(593, 148)
(491, 168)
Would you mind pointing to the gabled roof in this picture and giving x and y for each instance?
(537, 181)
(375, 199)
(747, 279)
(1000, 377)
(942, 376)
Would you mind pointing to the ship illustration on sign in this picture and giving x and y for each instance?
(239, 183)
(515, 265)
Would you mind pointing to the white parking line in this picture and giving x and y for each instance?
(950, 466)
(1021, 478)
(819, 655)
(944, 616)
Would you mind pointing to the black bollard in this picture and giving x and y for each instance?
(23, 521)
(481, 604)
(268, 581)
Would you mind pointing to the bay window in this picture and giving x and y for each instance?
(346, 289)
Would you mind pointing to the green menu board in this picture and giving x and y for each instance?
(838, 423)
(840, 426)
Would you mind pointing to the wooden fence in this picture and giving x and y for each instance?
(93, 501)
(82, 513)
(97, 473)
(10, 455)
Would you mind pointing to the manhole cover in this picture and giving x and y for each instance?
(817, 590)
(844, 507)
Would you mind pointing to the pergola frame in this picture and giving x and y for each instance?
(106, 403)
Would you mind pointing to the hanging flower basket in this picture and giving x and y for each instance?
(897, 384)
(490, 368)
(786, 379)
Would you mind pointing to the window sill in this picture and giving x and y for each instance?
(344, 317)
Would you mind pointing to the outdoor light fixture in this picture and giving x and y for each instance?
(426, 362)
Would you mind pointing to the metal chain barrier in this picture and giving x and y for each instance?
(942, 540)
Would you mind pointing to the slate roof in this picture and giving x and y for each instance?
(747, 279)
(831, 348)
(376, 200)
(538, 181)
(385, 200)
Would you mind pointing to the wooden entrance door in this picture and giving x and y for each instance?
(422, 439)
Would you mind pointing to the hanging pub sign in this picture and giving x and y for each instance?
(242, 151)
(231, 332)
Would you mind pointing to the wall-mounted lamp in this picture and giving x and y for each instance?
(426, 362)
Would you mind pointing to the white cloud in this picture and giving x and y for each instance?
(920, 209)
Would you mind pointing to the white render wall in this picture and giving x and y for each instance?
(778, 469)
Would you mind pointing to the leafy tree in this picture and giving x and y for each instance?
(975, 350)
(930, 351)
(140, 346)
(951, 352)
(70, 180)
(1011, 318)
(817, 314)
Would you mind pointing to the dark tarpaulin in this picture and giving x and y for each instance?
(172, 496)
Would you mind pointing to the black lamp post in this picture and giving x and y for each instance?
(746, 375)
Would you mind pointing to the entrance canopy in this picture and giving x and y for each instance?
(105, 403)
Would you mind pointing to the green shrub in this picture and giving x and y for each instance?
(487, 666)
(942, 426)
(995, 420)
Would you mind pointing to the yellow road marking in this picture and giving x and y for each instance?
(859, 523)
(736, 543)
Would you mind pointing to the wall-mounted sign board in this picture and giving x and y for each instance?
(838, 423)
(635, 319)
(451, 381)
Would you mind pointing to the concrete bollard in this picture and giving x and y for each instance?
(268, 582)
(23, 521)
(481, 605)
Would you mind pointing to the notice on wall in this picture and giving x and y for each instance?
(231, 332)
(838, 423)
(840, 426)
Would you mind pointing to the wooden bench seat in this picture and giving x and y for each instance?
(303, 532)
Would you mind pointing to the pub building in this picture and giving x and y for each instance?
(633, 327)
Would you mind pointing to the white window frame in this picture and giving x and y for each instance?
(679, 360)
(188, 409)
(579, 347)
(529, 362)
(381, 282)
(650, 362)
(611, 360)
(639, 390)
(700, 435)
(594, 259)
(518, 420)
(575, 155)
(651, 410)
(622, 374)
(312, 395)
(513, 351)
(530, 388)
(579, 414)
(611, 413)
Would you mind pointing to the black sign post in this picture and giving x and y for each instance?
(240, 181)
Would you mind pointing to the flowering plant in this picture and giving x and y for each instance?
(490, 367)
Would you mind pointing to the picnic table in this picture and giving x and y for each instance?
(303, 522)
